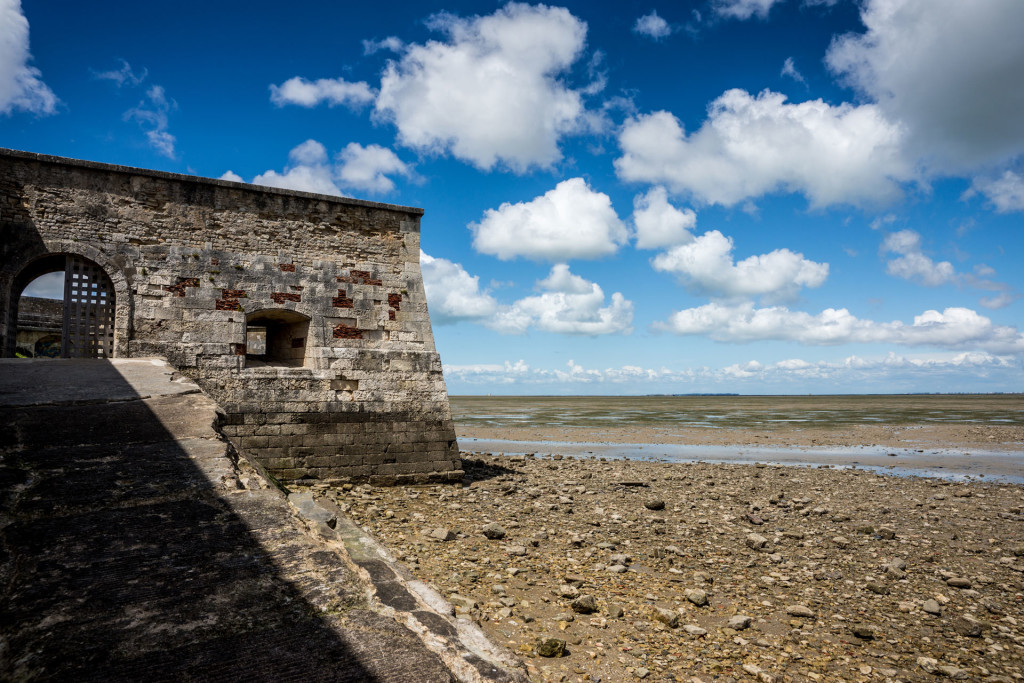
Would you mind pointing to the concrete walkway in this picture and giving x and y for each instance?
(134, 545)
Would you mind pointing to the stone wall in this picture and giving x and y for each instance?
(353, 390)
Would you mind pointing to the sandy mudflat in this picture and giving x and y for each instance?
(719, 572)
(914, 436)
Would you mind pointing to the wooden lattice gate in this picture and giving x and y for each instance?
(88, 330)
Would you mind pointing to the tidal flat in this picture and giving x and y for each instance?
(597, 568)
(953, 436)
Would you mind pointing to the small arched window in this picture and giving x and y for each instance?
(276, 337)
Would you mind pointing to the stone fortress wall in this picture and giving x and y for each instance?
(303, 315)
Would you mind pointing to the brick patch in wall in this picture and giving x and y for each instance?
(281, 297)
(183, 282)
(287, 267)
(232, 293)
(395, 304)
(342, 301)
(360, 277)
(228, 305)
(343, 331)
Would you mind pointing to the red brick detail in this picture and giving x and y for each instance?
(343, 331)
(232, 293)
(215, 262)
(395, 301)
(281, 297)
(228, 305)
(287, 267)
(183, 282)
(297, 288)
(238, 349)
(391, 315)
(342, 301)
(360, 277)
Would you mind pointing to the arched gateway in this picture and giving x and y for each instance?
(87, 305)
(303, 315)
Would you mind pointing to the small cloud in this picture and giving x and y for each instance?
(333, 91)
(367, 168)
(152, 116)
(743, 9)
(391, 44)
(652, 26)
(1005, 193)
(789, 69)
(232, 176)
(122, 76)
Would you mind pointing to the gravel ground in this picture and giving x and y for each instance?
(716, 572)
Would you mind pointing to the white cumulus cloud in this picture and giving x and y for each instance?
(232, 176)
(912, 373)
(356, 167)
(568, 304)
(957, 328)
(754, 145)
(452, 293)
(367, 168)
(949, 70)
(21, 85)
(333, 91)
(1006, 193)
(491, 93)
(659, 223)
(652, 26)
(308, 171)
(706, 266)
(570, 221)
(912, 263)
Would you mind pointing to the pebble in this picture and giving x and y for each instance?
(802, 611)
(550, 647)
(666, 616)
(585, 604)
(932, 606)
(441, 534)
(493, 531)
(756, 541)
(740, 622)
(697, 597)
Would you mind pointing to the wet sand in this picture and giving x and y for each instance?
(944, 436)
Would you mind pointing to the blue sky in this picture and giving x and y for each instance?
(752, 196)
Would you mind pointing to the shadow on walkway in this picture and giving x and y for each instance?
(131, 551)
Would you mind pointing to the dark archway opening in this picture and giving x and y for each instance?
(276, 337)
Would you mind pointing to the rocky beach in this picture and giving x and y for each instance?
(595, 568)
